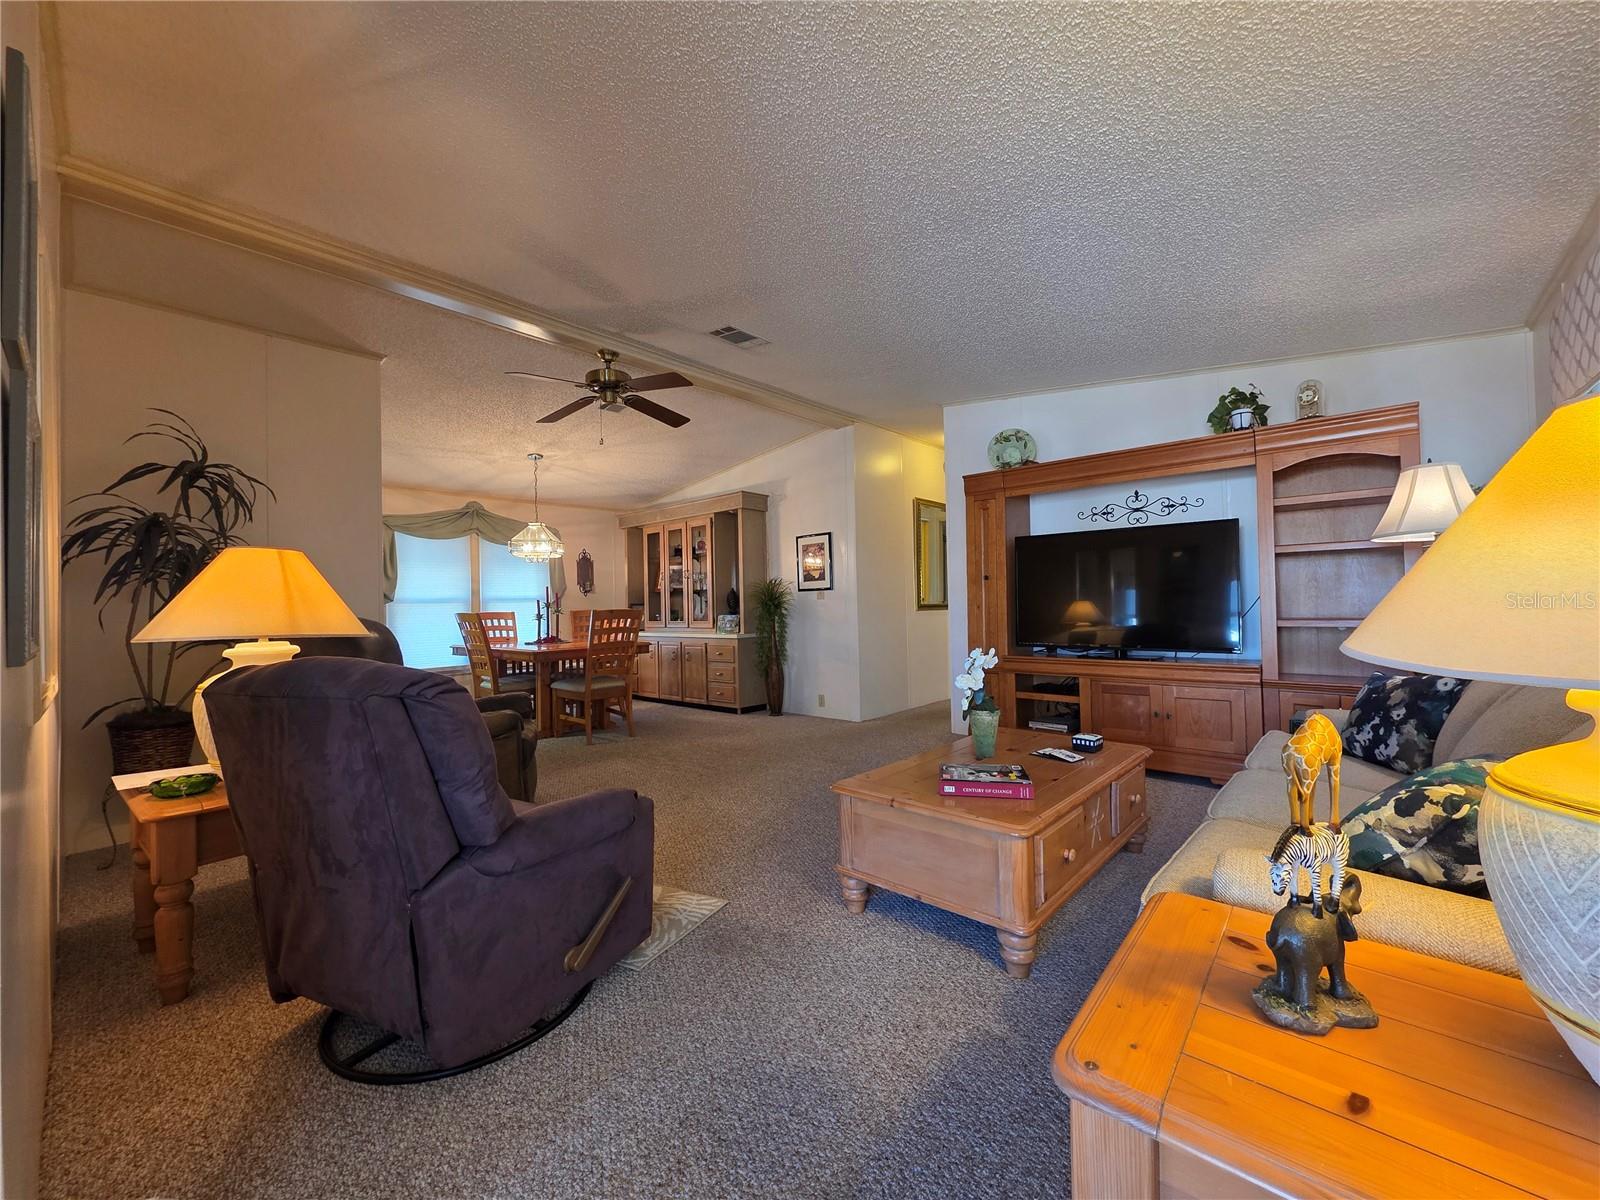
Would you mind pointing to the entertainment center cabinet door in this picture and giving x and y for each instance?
(1215, 720)
(1127, 712)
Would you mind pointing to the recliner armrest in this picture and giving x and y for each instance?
(546, 831)
(518, 702)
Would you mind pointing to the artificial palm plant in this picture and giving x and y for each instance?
(773, 600)
(147, 555)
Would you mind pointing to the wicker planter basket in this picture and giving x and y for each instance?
(150, 747)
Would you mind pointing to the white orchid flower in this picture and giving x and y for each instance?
(970, 683)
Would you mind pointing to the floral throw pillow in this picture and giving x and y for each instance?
(1424, 829)
(1395, 719)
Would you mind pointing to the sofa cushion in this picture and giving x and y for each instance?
(1358, 780)
(1429, 921)
(1500, 720)
(1424, 829)
(1396, 719)
(1189, 870)
(1257, 797)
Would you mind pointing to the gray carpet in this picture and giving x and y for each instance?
(786, 1048)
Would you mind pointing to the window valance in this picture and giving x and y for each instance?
(471, 517)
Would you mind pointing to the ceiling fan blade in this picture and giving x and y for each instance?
(566, 410)
(654, 383)
(548, 378)
(651, 409)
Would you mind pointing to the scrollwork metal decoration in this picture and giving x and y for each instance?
(1139, 508)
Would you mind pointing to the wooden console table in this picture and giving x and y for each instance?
(1181, 1089)
(171, 841)
(1007, 863)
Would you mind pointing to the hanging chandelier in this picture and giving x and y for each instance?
(537, 542)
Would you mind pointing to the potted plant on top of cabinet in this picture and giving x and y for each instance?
(147, 555)
(773, 599)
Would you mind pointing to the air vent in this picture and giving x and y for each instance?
(739, 337)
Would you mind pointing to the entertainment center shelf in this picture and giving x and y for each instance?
(1321, 485)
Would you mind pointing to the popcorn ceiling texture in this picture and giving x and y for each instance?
(452, 421)
(917, 204)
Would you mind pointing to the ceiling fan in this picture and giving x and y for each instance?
(616, 391)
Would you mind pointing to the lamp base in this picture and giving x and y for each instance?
(1538, 827)
(258, 653)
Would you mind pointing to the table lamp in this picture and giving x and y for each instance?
(1426, 500)
(1508, 592)
(1081, 613)
(251, 592)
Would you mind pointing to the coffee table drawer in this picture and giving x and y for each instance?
(1130, 805)
(1063, 851)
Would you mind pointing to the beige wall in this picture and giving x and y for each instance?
(303, 418)
(30, 721)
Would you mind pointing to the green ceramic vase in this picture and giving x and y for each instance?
(983, 725)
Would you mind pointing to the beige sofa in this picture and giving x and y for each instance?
(1225, 857)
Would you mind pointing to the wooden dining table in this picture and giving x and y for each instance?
(543, 659)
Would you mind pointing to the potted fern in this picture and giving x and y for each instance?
(773, 599)
(148, 554)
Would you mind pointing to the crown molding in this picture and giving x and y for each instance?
(88, 181)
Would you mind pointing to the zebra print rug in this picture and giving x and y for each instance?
(675, 916)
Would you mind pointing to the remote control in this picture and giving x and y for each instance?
(1056, 752)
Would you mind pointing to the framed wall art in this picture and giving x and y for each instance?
(813, 562)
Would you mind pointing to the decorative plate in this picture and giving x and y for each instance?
(1012, 448)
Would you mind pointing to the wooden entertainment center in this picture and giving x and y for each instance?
(1321, 485)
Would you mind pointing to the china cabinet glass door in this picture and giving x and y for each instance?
(654, 578)
(677, 576)
(700, 607)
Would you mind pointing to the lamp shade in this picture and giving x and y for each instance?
(254, 592)
(1509, 591)
(1083, 612)
(1426, 500)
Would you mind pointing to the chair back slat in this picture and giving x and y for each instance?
(613, 641)
(476, 640)
(579, 629)
(500, 628)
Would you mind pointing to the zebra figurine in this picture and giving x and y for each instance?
(1298, 850)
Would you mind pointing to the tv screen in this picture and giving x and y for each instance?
(1154, 588)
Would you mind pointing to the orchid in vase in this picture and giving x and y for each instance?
(977, 705)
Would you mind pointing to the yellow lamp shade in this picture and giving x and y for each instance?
(1510, 590)
(1083, 612)
(1426, 500)
(253, 592)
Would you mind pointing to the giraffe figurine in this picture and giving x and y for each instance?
(1306, 844)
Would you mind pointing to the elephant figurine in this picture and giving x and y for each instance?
(1305, 943)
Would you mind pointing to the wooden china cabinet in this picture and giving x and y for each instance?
(691, 570)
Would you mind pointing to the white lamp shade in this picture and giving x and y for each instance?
(1426, 500)
(1510, 590)
(254, 592)
(537, 543)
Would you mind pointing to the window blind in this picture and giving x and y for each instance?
(434, 583)
(507, 583)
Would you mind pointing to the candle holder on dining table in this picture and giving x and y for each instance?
(548, 612)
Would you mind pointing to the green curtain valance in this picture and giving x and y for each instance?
(471, 517)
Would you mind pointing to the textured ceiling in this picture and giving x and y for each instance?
(916, 204)
(451, 419)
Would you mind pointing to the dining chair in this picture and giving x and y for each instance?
(487, 677)
(500, 628)
(607, 677)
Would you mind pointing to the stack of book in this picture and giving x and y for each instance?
(1003, 781)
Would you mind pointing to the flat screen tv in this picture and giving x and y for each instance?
(1154, 588)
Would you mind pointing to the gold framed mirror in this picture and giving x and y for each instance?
(928, 548)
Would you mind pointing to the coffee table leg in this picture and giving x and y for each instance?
(1135, 844)
(1017, 949)
(855, 894)
(144, 896)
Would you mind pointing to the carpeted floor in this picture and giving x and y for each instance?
(785, 1048)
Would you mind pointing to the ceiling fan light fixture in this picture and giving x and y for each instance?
(537, 542)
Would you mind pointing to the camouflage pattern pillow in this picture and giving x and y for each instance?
(1395, 719)
(1424, 829)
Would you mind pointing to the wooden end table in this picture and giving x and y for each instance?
(171, 841)
(1007, 863)
(1180, 1087)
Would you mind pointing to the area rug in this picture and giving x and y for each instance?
(675, 915)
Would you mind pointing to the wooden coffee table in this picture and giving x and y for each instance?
(1179, 1087)
(1007, 863)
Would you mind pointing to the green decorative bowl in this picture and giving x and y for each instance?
(176, 787)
